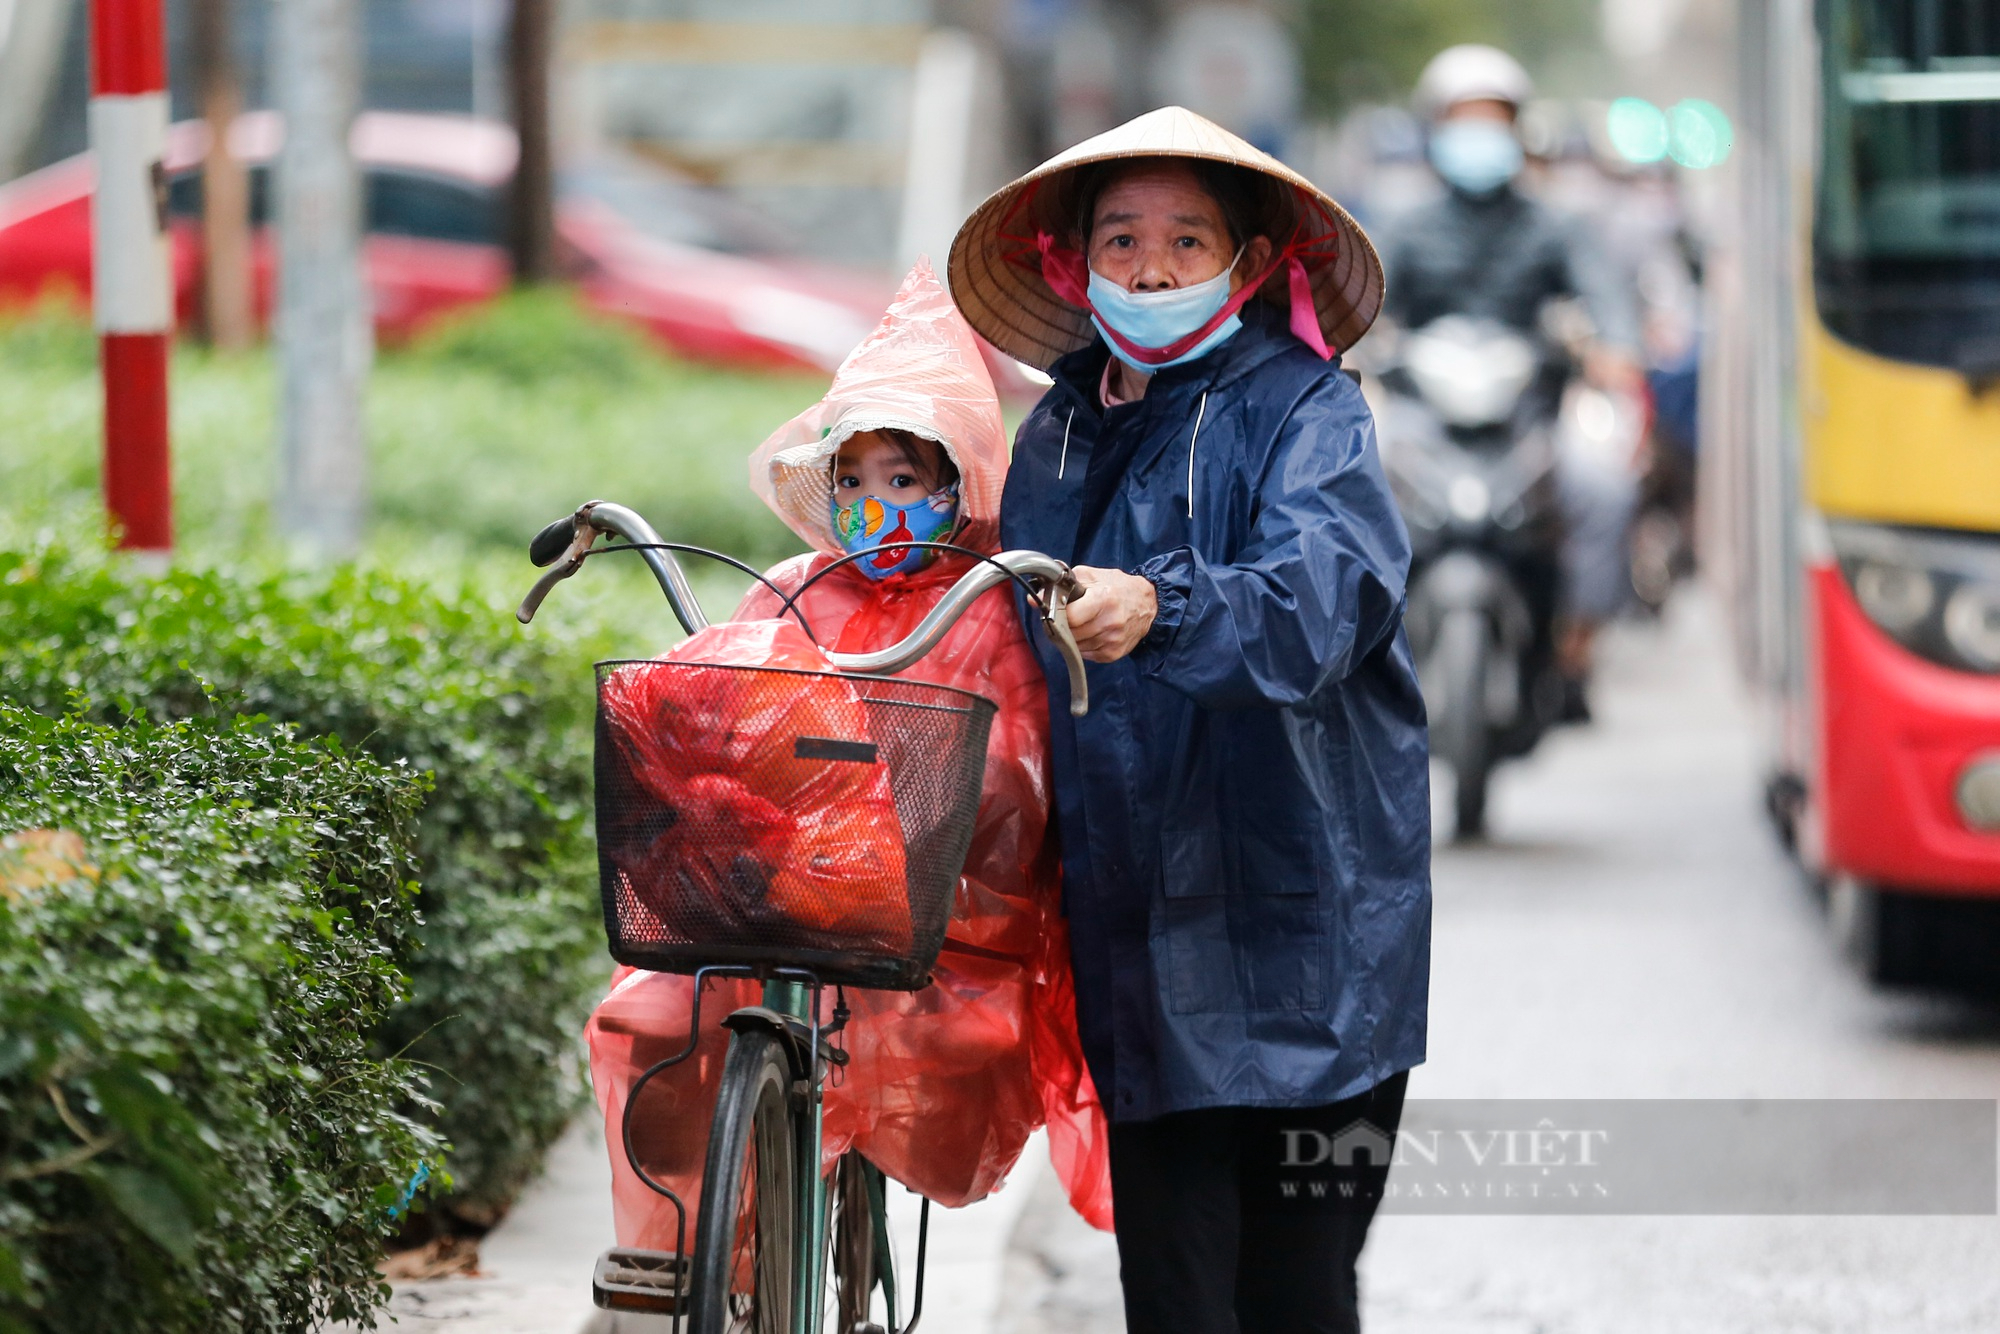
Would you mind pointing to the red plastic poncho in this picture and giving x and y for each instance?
(944, 1085)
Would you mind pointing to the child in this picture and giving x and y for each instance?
(944, 1084)
(890, 471)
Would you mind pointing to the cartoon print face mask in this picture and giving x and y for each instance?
(870, 522)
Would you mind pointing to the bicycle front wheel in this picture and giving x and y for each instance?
(746, 1239)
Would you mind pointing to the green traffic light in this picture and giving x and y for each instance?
(1699, 134)
(1696, 134)
(1638, 130)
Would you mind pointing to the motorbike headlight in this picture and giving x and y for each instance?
(1471, 372)
(1470, 499)
(1935, 593)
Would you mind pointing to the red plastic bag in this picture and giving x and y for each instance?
(944, 1085)
(755, 834)
(1079, 1138)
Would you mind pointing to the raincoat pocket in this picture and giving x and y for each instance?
(1244, 933)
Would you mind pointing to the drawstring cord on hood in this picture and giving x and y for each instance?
(1199, 413)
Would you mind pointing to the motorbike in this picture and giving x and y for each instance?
(1471, 418)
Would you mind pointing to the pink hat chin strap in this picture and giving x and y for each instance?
(1068, 276)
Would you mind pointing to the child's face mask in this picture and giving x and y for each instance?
(865, 524)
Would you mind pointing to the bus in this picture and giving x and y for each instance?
(1851, 438)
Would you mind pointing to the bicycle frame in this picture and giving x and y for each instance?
(808, 1278)
(790, 994)
(795, 994)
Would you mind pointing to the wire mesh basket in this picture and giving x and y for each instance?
(783, 818)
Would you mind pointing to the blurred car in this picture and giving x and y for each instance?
(710, 279)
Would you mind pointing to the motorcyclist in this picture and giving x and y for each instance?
(1486, 250)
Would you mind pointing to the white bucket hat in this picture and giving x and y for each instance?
(920, 371)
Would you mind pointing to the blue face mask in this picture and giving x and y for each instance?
(1156, 319)
(867, 523)
(1476, 156)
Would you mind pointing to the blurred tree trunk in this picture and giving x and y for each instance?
(227, 317)
(531, 205)
(30, 67)
(322, 324)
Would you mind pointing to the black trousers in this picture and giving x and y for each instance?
(1248, 1220)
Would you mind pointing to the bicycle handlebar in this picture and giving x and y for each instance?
(564, 544)
(595, 517)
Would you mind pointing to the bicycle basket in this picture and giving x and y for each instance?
(783, 818)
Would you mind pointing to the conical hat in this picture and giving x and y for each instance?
(995, 267)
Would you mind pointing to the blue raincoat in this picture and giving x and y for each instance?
(1245, 812)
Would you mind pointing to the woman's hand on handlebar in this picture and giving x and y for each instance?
(1112, 614)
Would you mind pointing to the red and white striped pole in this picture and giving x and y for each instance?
(131, 277)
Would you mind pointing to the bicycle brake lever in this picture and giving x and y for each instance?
(552, 541)
(582, 534)
(1055, 624)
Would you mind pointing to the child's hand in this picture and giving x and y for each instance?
(1112, 613)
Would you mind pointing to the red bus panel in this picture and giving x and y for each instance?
(1895, 732)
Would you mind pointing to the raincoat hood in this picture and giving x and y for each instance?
(920, 371)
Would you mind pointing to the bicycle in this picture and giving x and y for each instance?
(770, 1230)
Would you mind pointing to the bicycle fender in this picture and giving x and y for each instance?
(794, 1030)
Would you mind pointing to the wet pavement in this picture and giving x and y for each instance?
(1632, 930)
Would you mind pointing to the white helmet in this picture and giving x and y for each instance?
(1470, 73)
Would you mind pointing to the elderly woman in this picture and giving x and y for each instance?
(1244, 813)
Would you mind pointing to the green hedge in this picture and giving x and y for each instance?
(496, 421)
(511, 949)
(196, 1133)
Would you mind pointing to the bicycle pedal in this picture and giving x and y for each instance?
(629, 1279)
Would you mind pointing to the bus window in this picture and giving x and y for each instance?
(1906, 237)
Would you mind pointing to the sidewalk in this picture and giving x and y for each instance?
(1061, 1275)
(534, 1269)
